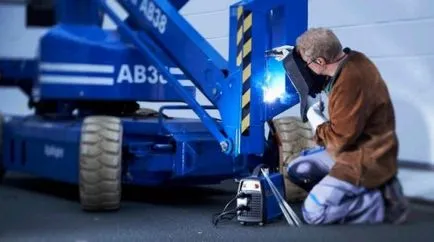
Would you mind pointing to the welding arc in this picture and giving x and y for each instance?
(289, 214)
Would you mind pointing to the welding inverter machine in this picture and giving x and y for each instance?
(260, 200)
(256, 201)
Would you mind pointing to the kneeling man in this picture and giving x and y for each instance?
(356, 173)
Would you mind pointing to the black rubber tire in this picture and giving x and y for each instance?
(100, 163)
(294, 136)
(2, 170)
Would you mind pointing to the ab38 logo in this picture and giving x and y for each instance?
(152, 13)
(139, 74)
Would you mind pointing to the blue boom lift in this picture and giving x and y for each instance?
(86, 82)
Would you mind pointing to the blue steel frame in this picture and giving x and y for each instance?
(274, 23)
(174, 151)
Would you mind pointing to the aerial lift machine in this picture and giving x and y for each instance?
(86, 84)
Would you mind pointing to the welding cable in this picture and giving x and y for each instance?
(290, 215)
(218, 217)
(233, 212)
(239, 195)
(229, 203)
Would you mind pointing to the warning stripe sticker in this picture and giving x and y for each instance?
(244, 50)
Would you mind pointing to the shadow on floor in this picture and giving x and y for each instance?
(195, 196)
(174, 195)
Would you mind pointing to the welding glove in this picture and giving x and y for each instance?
(315, 115)
(279, 53)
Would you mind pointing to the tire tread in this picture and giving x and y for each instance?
(100, 163)
(295, 136)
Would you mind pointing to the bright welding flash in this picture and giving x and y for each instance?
(274, 86)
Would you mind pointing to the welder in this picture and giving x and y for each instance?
(357, 169)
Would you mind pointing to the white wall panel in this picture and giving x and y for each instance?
(205, 6)
(211, 25)
(403, 38)
(334, 13)
(221, 45)
(410, 80)
(16, 41)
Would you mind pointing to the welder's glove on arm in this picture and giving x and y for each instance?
(316, 116)
(281, 52)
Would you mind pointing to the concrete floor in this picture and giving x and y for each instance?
(39, 210)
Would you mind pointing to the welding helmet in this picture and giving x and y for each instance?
(305, 81)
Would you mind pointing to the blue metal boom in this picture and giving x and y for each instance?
(196, 57)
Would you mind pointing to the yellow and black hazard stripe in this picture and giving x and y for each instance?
(244, 59)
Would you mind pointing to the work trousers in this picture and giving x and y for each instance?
(330, 200)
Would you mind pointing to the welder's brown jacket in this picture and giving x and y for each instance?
(360, 134)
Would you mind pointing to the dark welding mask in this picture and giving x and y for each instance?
(306, 82)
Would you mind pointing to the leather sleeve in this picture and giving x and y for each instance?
(348, 112)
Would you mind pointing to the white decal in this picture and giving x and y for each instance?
(53, 151)
(96, 74)
(139, 74)
(162, 80)
(124, 74)
(76, 74)
(153, 14)
(78, 80)
(153, 78)
(76, 67)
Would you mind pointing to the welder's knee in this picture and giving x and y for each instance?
(313, 211)
(333, 201)
(306, 172)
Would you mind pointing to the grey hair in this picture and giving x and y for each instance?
(319, 42)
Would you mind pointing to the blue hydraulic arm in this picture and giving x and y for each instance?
(243, 90)
(178, 4)
(208, 121)
(202, 64)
